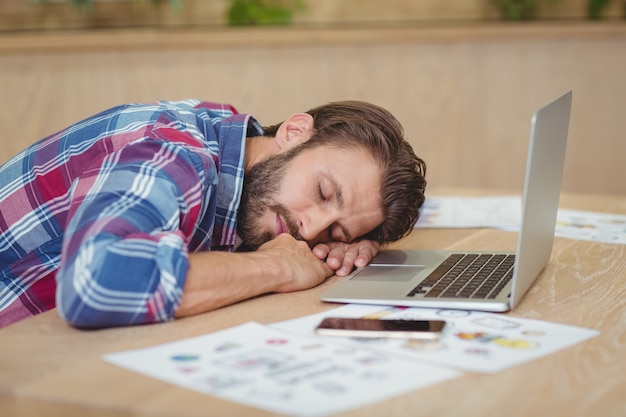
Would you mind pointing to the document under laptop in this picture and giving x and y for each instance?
(487, 281)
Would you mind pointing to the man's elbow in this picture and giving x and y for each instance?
(84, 313)
(77, 313)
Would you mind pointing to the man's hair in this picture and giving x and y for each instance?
(360, 124)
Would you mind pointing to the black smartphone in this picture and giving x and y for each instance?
(411, 329)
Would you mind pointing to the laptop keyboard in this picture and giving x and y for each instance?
(480, 276)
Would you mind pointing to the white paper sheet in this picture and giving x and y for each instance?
(587, 225)
(505, 213)
(282, 372)
(473, 341)
(458, 212)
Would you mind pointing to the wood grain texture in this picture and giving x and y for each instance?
(48, 368)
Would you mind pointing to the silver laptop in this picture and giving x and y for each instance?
(487, 281)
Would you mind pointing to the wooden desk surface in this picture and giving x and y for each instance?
(48, 368)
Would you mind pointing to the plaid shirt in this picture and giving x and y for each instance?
(99, 218)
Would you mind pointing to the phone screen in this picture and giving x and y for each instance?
(340, 326)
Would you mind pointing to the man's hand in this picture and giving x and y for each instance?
(343, 257)
(302, 269)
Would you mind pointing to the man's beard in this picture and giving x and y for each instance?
(259, 195)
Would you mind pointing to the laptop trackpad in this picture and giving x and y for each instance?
(388, 273)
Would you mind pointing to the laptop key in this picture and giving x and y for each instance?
(472, 276)
(436, 275)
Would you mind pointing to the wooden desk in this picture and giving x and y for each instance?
(48, 368)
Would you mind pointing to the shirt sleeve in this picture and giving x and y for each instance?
(124, 257)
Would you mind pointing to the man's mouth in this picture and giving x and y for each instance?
(280, 226)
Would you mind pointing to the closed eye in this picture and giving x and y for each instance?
(321, 194)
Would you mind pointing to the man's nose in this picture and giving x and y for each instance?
(314, 228)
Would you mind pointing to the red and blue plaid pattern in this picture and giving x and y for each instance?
(98, 219)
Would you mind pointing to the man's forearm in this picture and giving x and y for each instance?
(217, 279)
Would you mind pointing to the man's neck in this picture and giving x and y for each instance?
(259, 148)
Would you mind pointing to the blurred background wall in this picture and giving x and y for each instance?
(462, 76)
(63, 14)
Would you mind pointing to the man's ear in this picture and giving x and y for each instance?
(297, 129)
